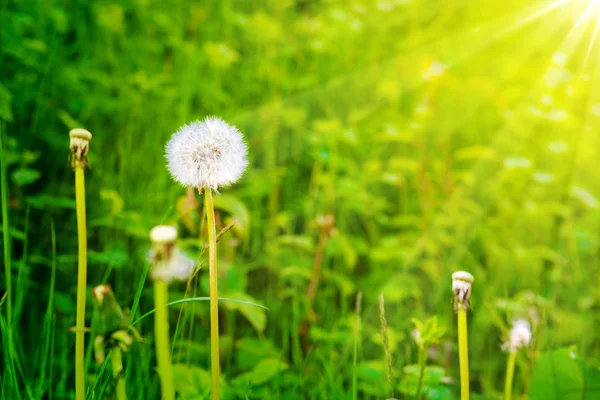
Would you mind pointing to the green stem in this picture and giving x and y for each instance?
(356, 341)
(463, 353)
(161, 331)
(116, 360)
(214, 302)
(510, 371)
(81, 281)
(354, 375)
(422, 362)
(7, 264)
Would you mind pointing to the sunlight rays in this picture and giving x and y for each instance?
(503, 146)
(491, 32)
(592, 40)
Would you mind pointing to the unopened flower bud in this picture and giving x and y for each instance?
(461, 286)
(79, 144)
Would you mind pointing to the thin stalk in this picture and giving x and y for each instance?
(214, 302)
(161, 331)
(116, 361)
(386, 344)
(463, 353)
(7, 266)
(356, 341)
(510, 371)
(81, 282)
(422, 363)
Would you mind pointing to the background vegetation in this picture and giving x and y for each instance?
(392, 142)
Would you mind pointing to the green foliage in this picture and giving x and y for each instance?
(427, 333)
(440, 135)
(433, 385)
(560, 374)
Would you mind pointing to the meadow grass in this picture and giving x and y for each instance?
(437, 137)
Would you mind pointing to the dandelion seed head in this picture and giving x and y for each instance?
(178, 267)
(208, 153)
(520, 336)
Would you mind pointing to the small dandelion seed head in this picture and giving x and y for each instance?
(163, 234)
(520, 336)
(461, 286)
(208, 153)
(177, 267)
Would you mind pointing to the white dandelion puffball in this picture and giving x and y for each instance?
(178, 267)
(207, 153)
(520, 335)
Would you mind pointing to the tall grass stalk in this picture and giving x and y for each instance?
(214, 294)
(386, 344)
(356, 342)
(9, 349)
(79, 147)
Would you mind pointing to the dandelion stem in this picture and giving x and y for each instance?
(161, 330)
(510, 370)
(116, 360)
(214, 302)
(81, 281)
(463, 353)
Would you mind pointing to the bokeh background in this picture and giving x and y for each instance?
(391, 143)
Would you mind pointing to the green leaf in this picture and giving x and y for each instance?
(116, 258)
(557, 375)
(432, 380)
(25, 176)
(255, 315)
(191, 382)
(238, 211)
(250, 351)
(5, 101)
(44, 201)
(263, 372)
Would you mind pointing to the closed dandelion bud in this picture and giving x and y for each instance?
(208, 153)
(168, 262)
(79, 144)
(109, 316)
(461, 286)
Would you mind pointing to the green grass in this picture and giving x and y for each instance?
(490, 167)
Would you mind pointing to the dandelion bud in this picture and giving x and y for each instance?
(80, 140)
(109, 316)
(461, 286)
(520, 336)
(207, 153)
(163, 234)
